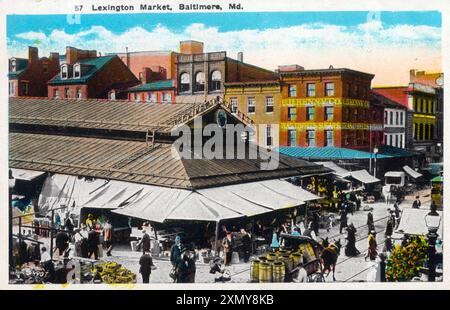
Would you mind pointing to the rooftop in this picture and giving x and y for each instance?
(324, 71)
(158, 85)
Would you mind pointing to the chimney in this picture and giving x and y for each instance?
(290, 68)
(240, 56)
(33, 54)
(71, 55)
(191, 47)
(128, 57)
(412, 73)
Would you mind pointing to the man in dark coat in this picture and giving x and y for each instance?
(62, 242)
(146, 263)
(370, 222)
(93, 242)
(175, 251)
(350, 248)
(390, 226)
(185, 268)
(144, 242)
(246, 244)
(416, 203)
(343, 220)
(315, 221)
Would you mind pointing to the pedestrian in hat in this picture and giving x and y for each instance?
(417, 203)
(227, 245)
(350, 248)
(146, 263)
(185, 269)
(175, 251)
(145, 242)
(370, 222)
(343, 220)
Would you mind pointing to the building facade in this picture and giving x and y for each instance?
(154, 92)
(260, 101)
(86, 75)
(329, 107)
(29, 77)
(201, 76)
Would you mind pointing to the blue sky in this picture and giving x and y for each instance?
(359, 40)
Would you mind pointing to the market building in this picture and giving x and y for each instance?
(28, 77)
(201, 76)
(84, 75)
(119, 159)
(260, 101)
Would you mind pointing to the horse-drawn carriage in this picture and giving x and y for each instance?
(299, 254)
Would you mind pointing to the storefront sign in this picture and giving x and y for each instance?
(303, 102)
(330, 125)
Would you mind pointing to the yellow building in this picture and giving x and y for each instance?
(260, 101)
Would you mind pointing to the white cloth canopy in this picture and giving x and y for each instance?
(413, 222)
(364, 176)
(412, 172)
(26, 175)
(337, 170)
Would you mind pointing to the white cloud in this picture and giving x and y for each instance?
(368, 47)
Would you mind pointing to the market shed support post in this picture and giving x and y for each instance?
(51, 233)
(216, 239)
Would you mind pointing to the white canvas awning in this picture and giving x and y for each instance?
(337, 170)
(26, 175)
(412, 222)
(364, 176)
(412, 172)
(289, 190)
(113, 195)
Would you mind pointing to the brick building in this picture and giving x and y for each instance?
(86, 75)
(260, 101)
(328, 108)
(153, 92)
(201, 76)
(29, 76)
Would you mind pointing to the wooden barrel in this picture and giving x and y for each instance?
(278, 272)
(297, 258)
(262, 258)
(286, 259)
(271, 256)
(265, 272)
(254, 271)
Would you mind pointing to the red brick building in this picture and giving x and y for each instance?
(328, 108)
(86, 75)
(29, 77)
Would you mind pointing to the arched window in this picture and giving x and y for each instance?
(200, 81)
(185, 82)
(216, 80)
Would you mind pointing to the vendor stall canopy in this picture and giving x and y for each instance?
(337, 170)
(410, 171)
(413, 222)
(158, 204)
(364, 176)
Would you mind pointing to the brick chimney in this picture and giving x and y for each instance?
(290, 68)
(73, 55)
(33, 54)
(191, 47)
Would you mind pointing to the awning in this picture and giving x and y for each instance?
(412, 222)
(26, 175)
(412, 172)
(113, 195)
(290, 190)
(364, 176)
(337, 170)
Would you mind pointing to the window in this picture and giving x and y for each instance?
(391, 140)
(12, 88)
(79, 95)
(309, 113)
(391, 118)
(251, 105)
(55, 93)
(311, 137)
(200, 82)
(415, 104)
(234, 105)
(310, 90)
(185, 81)
(357, 91)
(292, 90)
(216, 79)
(269, 136)
(64, 72)
(401, 118)
(397, 116)
(77, 71)
(166, 97)
(152, 97)
(329, 89)
(13, 65)
(329, 111)
(420, 135)
(23, 88)
(401, 141)
(419, 104)
(431, 132)
(349, 90)
(397, 141)
(137, 97)
(66, 92)
(269, 104)
(385, 117)
(291, 137)
(329, 137)
(292, 113)
(385, 138)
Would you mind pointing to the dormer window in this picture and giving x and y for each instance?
(13, 65)
(77, 71)
(64, 71)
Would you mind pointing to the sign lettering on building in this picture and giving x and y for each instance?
(331, 125)
(303, 102)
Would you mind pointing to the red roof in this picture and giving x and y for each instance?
(397, 94)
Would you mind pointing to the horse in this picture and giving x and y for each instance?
(329, 257)
(325, 243)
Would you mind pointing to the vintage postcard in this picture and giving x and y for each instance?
(231, 144)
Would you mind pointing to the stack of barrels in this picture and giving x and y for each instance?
(275, 265)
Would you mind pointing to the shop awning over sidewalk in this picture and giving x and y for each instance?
(26, 175)
(364, 176)
(158, 203)
(411, 172)
(337, 170)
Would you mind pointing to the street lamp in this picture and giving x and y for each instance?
(375, 151)
(433, 221)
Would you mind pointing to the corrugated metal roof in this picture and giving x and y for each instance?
(133, 161)
(95, 113)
